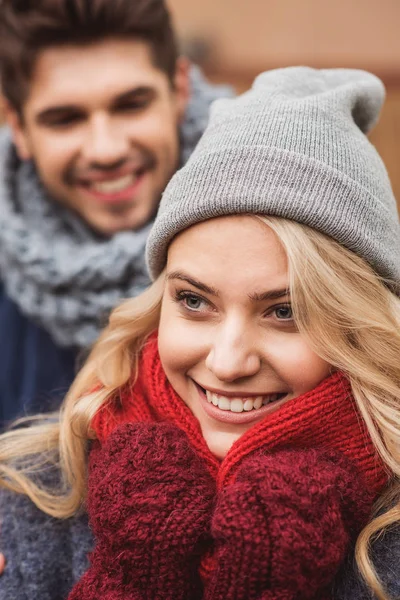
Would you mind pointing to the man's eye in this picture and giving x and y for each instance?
(64, 121)
(137, 105)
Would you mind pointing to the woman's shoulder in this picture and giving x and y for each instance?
(385, 554)
(386, 557)
(45, 556)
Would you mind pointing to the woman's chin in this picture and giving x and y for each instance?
(219, 443)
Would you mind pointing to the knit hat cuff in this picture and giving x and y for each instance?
(297, 188)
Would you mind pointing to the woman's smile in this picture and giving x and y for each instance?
(235, 407)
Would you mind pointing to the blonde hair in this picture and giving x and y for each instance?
(351, 319)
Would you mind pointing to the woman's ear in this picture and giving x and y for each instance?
(182, 86)
(14, 120)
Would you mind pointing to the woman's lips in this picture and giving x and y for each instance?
(238, 409)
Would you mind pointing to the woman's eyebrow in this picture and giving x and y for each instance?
(255, 297)
(194, 282)
(269, 295)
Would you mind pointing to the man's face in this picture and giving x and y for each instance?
(101, 124)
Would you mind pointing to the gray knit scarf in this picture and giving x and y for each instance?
(57, 271)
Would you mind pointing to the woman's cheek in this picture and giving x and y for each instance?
(296, 363)
(183, 344)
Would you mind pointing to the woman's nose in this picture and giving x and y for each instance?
(233, 355)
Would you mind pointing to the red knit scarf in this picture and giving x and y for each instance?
(322, 421)
(325, 417)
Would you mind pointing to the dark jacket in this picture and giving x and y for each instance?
(35, 373)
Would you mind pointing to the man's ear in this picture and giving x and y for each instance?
(182, 85)
(15, 123)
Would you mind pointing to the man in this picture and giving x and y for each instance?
(101, 111)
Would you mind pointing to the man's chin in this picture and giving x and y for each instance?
(108, 219)
(110, 223)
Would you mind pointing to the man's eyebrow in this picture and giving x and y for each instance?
(141, 90)
(194, 282)
(269, 295)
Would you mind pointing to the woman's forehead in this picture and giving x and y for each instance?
(227, 251)
(247, 230)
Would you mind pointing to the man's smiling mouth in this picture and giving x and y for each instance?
(113, 185)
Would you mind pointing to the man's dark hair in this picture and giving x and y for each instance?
(29, 26)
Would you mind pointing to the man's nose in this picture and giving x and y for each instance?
(105, 145)
(233, 355)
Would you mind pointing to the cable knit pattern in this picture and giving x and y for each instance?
(284, 527)
(59, 273)
(150, 507)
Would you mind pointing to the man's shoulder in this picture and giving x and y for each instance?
(35, 372)
(5, 134)
(5, 140)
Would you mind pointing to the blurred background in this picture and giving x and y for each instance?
(234, 40)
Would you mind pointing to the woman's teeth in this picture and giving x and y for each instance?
(116, 185)
(238, 405)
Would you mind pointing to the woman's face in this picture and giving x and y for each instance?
(227, 338)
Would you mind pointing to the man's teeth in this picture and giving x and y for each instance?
(116, 185)
(238, 405)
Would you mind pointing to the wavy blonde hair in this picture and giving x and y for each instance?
(351, 319)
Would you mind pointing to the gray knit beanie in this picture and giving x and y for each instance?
(294, 146)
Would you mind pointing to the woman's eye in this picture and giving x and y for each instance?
(283, 313)
(191, 301)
